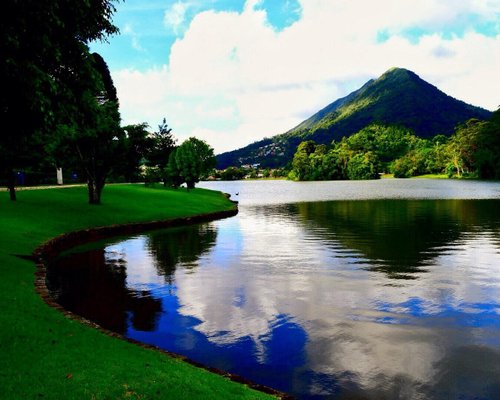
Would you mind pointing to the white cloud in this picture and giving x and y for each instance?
(128, 30)
(142, 95)
(174, 17)
(265, 82)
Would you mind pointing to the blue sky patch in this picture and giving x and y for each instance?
(145, 38)
(383, 36)
(281, 13)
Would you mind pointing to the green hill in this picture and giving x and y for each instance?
(398, 97)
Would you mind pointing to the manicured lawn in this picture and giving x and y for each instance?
(44, 355)
(427, 176)
(431, 176)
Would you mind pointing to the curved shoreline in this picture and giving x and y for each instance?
(47, 251)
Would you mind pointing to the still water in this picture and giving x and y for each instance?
(390, 291)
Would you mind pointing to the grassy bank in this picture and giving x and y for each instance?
(431, 176)
(44, 355)
(426, 176)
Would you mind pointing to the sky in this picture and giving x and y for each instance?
(231, 72)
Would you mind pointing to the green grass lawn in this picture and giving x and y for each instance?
(44, 355)
(426, 176)
(431, 176)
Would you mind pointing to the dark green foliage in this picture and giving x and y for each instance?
(90, 139)
(135, 145)
(179, 245)
(43, 47)
(411, 164)
(301, 163)
(232, 174)
(356, 157)
(363, 166)
(194, 158)
(462, 148)
(389, 142)
(487, 154)
(161, 145)
(172, 173)
(473, 150)
(398, 98)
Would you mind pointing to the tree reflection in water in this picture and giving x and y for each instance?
(179, 247)
(94, 284)
(398, 238)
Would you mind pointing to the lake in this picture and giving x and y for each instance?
(345, 290)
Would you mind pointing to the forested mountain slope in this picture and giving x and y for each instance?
(398, 97)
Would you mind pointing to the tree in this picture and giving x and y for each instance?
(90, 140)
(172, 173)
(487, 155)
(136, 144)
(43, 46)
(232, 174)
(301, 165)
(386, 141)
(194, 158)
(363, 166)
(435, 157)
(463, 146)
(161, 145)
(411, 164)
(99, 142)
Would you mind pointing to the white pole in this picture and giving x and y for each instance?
(59, 176)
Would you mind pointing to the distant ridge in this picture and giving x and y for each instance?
(398, 97)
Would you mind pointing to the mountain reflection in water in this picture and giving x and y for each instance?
(363, 299)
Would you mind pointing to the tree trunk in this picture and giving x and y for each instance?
(94, 190)
(190, 184)
(12, 185)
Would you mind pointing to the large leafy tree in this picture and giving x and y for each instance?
(44, 48)
(90, 139)
(301, 163)
(462, 147)
(172, 174)
(194, 158)
(99, 138)
(363, 166)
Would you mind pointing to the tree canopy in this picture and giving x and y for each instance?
(473, 150)
(44, 50)
(194, 158)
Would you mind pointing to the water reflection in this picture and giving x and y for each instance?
(309, 297)
(93, 284)
(397, 237)
(179, 246)
(100, 285)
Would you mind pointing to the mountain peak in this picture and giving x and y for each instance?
(397, 73)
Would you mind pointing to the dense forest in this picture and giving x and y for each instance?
(472, 151)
